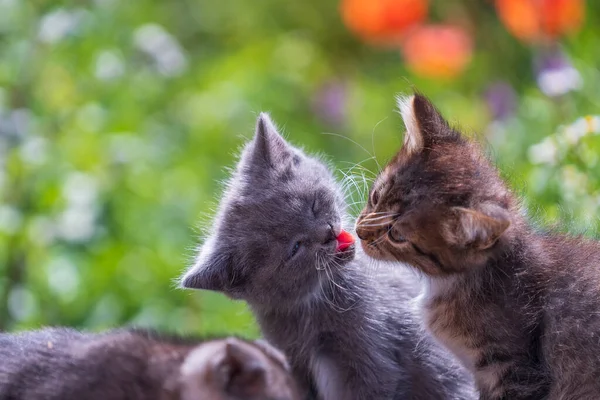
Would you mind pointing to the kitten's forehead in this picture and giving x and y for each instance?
(280, 193)
(382, 179)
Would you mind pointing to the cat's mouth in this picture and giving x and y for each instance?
(344, 241)
(345, 255)
(386, 248)
(345, 248)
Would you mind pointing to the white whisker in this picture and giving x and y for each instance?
(350, 140)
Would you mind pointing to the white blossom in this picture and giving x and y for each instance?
(544, 152)
(164, 49)
(80, 189)
(556, 82)
(63, 277)
(77, 224)
(21, 121)
(21, 303)
(34, 150)
(57, 24)
(109, 65)
(11, 219)
(547, 151)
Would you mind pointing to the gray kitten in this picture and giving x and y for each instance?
(135, 364)
(349, 331)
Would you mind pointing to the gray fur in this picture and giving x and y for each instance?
(136, 364)
(347, 329)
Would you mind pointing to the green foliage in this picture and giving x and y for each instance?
(119, 118)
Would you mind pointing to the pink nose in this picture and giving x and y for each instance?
(344, 240)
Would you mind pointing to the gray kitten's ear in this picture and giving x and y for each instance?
(270, 148)
(209, 272)
(424, 123)
(474, 229)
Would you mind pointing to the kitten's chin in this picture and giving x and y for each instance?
(346, 255)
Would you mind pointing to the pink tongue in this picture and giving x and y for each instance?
(344, 240)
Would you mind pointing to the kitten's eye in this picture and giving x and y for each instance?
(374, 197)
(395, 236)
(295, 249)
(314, 206)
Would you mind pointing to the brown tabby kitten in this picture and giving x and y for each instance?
(519, 307)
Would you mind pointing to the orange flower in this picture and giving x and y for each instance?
(382, 20)
(438, 51)
(534, 20)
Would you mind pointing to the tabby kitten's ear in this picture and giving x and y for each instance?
(425, 126)
(210, 271)
(270, 148)
(474, 229)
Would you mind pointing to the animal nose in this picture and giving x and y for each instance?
(328, 234)
(362, 233)
(371, 227)
(366, 232)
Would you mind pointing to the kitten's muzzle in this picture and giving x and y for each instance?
(368, 234)
(327, 234)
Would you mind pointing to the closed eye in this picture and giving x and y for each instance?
(295, 248)
(395, 236)
(314, 207)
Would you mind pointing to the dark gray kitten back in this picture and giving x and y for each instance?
(348, 329)
(61, 363)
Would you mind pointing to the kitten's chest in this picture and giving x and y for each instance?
(449, 317)
(447, 329)
(465, 322)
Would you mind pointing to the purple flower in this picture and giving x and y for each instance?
(555, 74)
(501, 100)
(329, 103)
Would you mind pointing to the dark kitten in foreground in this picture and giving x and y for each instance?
(520, 308)
(349, 331)
(61, 363)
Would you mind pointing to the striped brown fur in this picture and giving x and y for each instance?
(519, 307)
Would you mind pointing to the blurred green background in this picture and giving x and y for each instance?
(118, 119)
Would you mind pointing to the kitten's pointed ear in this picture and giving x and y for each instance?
(210, 270)
(227, 368)
(270, 148)
(471, 228)
(241, 371)
(424, 123)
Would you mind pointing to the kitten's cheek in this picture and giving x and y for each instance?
(376, 252)
(370, 249)
(400, 250)
(426, 265)
(365, 247)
